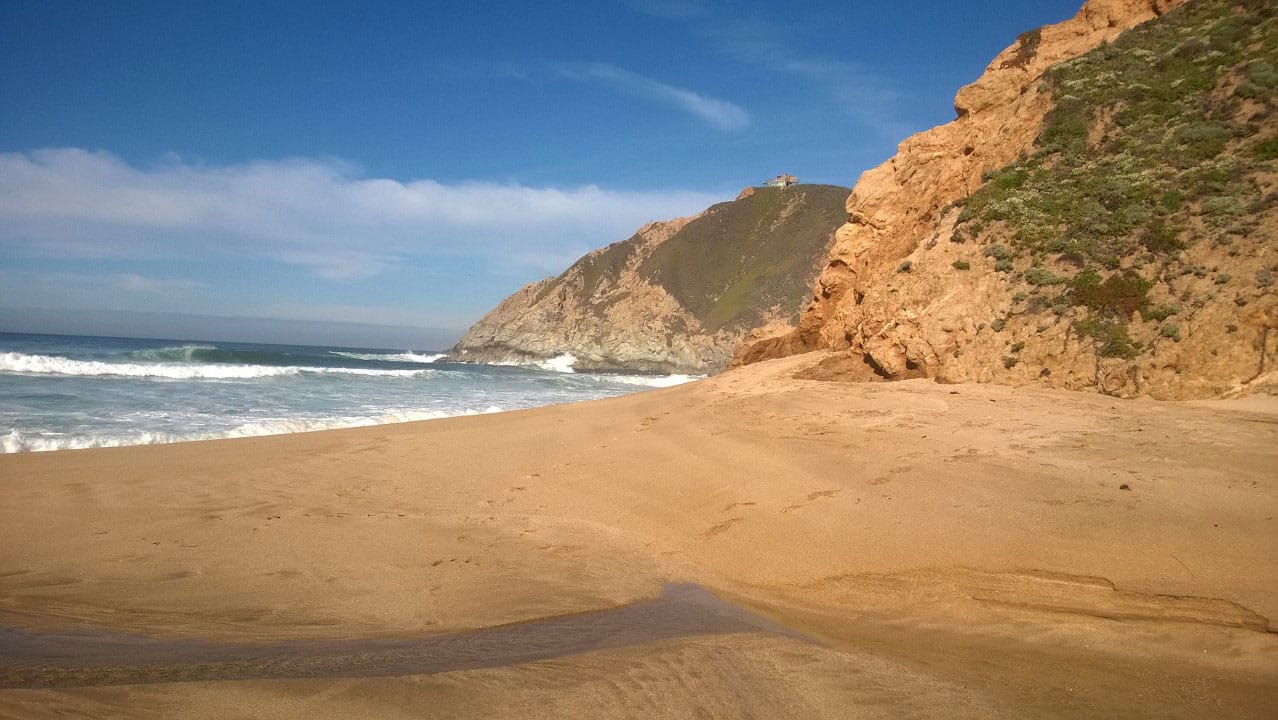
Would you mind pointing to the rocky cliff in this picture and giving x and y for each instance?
(1101, 214)
(678, 296)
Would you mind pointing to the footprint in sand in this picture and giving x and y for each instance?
(899, 470)
(720, 528)
(812, 496)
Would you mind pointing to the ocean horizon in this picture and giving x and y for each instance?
(60, 392)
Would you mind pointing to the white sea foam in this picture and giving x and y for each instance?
(559, 363)
(15, 441)
(656, 381)
(562, 363)
(407, 356)
(22, 363)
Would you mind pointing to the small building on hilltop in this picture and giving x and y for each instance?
(781, 181)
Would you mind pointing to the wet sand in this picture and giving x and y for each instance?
(84, 659)
(933, 551)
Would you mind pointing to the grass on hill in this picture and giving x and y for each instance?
(744, 257)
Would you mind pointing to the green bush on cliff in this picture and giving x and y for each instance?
(1112, 338)
(1117, 296)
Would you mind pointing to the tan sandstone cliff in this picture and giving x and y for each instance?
(678, 296)
(910, 290)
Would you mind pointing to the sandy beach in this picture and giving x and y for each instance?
(907, 549)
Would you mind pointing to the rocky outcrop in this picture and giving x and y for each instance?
(1041, 237)
(678, 296)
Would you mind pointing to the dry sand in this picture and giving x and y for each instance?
(934, 551)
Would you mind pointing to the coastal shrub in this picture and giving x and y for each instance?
(1160, 313)
(1266, 149)
(1160, 236)
(1112, 338)
(961, 265)
(1120, 294)
(1251, 91)
(1170, 330)
(1042, 276)
(1262, 73)
(1264, 278)
(998, 252)
(1223, 206)
(1195, 142)
(905, 266)
(1010, 361)
(1017, 347)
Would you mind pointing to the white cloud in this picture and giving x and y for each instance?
(132, 282)
(318, 214)
(720, 113)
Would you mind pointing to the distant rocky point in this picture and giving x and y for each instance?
(678, 296)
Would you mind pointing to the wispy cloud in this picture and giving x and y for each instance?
(861, 93)
(318, 214)
(720, 113)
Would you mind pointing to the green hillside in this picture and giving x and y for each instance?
(732, 264)
(743, 257)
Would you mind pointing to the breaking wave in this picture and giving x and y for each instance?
(24, 364)
(405, 357)
(560, 363)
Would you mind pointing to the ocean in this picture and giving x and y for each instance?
(62, 392)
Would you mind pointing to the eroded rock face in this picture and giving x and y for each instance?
(905, 301)
(678, 296)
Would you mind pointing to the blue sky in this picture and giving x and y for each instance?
(410, 164)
